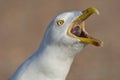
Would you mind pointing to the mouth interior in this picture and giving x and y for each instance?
(77, 31)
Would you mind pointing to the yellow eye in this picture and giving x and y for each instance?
(60, 22)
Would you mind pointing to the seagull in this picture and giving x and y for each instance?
(64, 37)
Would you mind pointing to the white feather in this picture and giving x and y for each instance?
(53, 59)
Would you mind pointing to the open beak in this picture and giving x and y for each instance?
(77, 28)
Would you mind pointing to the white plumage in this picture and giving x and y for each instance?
(58, 48)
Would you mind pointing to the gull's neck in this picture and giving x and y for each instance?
(57, 62)
(51, 62)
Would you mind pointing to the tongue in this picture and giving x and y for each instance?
(78, 32)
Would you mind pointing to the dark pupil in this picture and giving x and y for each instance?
(60, 22)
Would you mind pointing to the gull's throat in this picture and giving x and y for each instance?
(78, 31)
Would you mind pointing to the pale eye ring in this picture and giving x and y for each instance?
(60, 22)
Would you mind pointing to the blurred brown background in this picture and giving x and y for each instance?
(23, 22)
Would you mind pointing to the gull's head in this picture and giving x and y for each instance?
(68, 29)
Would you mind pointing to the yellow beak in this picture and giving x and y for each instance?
(80, 21)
